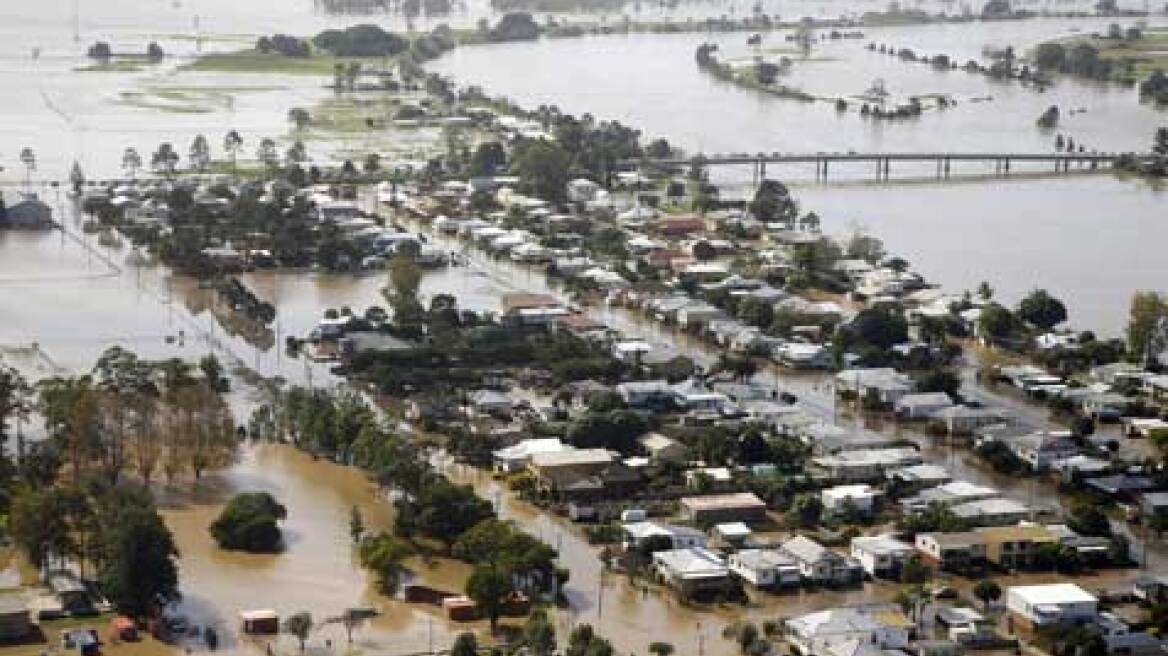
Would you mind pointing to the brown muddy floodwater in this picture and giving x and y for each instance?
(318, 571)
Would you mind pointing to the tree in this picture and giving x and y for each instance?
(772, 202)
(488, 159)
(199, 153)
(299, 117)
(356, 525)
(703, 251)
(1041, 309)
(987, 590)
(806, 511)
(914, 570)
(299, 625)
(249, 522)
(543, 169)
(997, 322)
(617, 430)
(1146, 324)
(131, 161)
(539, 634)
(232, 143)
(489, 585)
(267, 153)
(441, 510)
(465, 645)
(137, 566)
(383, 553)
(372, 163)
(1089, 519)
(984, 291)
(164, 160)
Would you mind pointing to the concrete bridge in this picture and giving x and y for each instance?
(882, 162)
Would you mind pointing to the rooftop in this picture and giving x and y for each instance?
(723, 501)
(1052, 593)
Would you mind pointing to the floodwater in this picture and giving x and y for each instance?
(1092, 240)
(318, 572)
(63, 299)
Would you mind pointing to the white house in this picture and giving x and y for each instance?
(888, 385)
(818, 564)
(518, 456)
(814, 634)
(866, 465)
(881, 556)
(692, 570)
(1054, 603)
(640, 534)
(921, 406)
(765, 568)
(862, 497)
(991, 512)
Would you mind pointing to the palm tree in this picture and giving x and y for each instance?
(28, 158)
(267, 153)
(131, 161)
(232, 142)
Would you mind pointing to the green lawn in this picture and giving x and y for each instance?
(252, 61)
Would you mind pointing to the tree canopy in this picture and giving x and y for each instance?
(250, 522)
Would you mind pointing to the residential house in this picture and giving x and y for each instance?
(814, 634)
(1153, 503)
(692, 571)
(491, 402)
(1147, 427)
(1036, 606)
(662, 449)
(963, 420)
(1015, 547)
(719, 508)
(1041, 449)
(1121, 487)
(734, 534)
(921, 406)
(646, 393)
(952, 552)
(765, 568)
(840, 499)
(655, 536)
(820, 565)
(885, 385)
(517, 457)
(800, 355)
(15, 619)
(867, 465)
(881, 556)
(991, 512)
(553, 467)
(708, 479)
(915, 478)
(949, 494)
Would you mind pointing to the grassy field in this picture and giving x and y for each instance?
(1145, 55)
(113, 66)
(253, 61)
